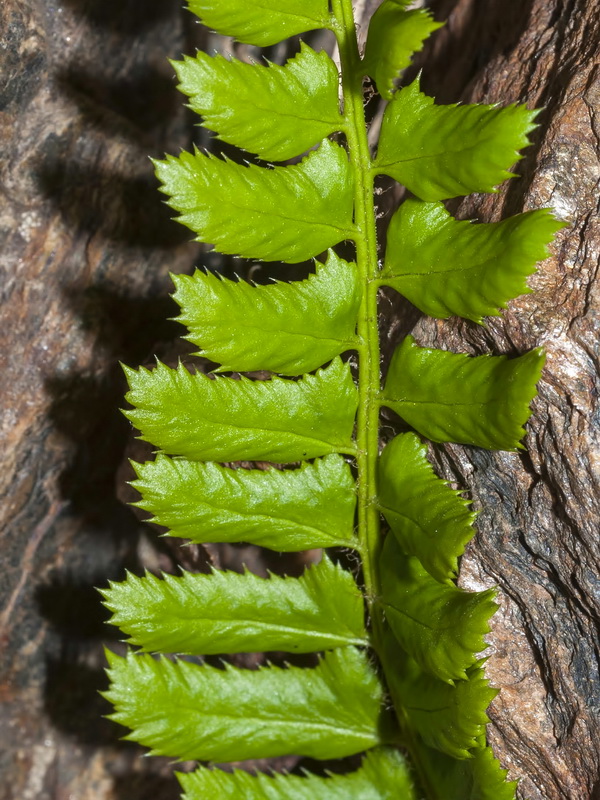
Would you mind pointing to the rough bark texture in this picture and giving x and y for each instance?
(86, 95)
(538, 528)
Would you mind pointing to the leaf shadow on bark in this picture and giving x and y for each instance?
(125, 17)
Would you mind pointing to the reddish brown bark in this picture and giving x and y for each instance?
(86, 96)
(538, 527)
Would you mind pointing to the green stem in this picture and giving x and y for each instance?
(366, 260)
(369, 534)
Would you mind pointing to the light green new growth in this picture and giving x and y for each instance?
(435, 532)
(381, 770)
(285, 328)
(400, 675)
(300, 509)
(187, 711)
(231, 613)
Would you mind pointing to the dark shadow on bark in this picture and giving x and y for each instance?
(73, 608)
(128, 327)
(123, 209)
(135, 105)
(85, 409)
(74, 704)
(125, 17)
(133, 786)
(454, 57)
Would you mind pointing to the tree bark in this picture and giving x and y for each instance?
(86, 96)
(539, 509)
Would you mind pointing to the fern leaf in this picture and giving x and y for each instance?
(247, 21)
(449, 718)
(281, 214)
(394, 36)
(187, 711)
(429, 520)
(275, 112)
(478, 778)
(445, 151)
(229, 613)
(449, 397)
(489, 779)
(442, 627)
(223, 419)
(299, 509)
(383, 775)
(447, 267)
(288, 328)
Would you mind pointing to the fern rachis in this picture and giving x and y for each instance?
(410, 528)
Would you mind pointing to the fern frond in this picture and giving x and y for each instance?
(312, 202)
(450, 397)
(188, 711)
(402, 630)
(275, 112)
(299, 509)
(288, 328)
(224, 419)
